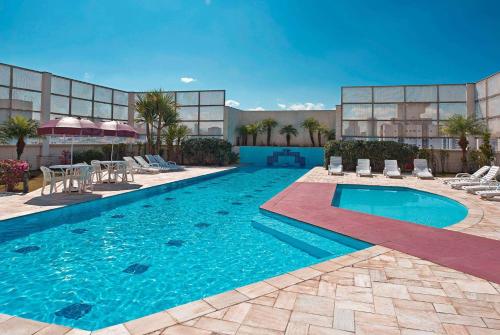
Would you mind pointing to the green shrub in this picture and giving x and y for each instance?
(375, 151)
(87, 156)
(208, 151)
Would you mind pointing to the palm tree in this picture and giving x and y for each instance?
(156, 110)
(288, 131)
(268, 125)
(174, 133)
(462, 127)
(18, 127)
(146, 115)
(243, 131)
(311, 124)
(322, 130)
(254, 129)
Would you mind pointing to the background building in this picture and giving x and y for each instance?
(415, 114)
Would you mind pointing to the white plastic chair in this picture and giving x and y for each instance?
(391, 169)
(120, 172)
(83, 177)
(363, 168)
(421, 170)
(52, 178)
(98, 173)
(335, 167)
(466, 176)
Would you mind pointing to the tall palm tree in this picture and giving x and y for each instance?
(288, 131)
(18, 127)
(243, 132)
(322, 131)
(146, 115)
(311, 125)
(165, 110)
(254, 129)
(461, 127)
(268, 125)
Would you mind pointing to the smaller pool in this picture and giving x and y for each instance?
(400, 203)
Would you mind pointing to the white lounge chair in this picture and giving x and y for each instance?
(489, 193)
(466, 176)
(391, 169)
(335, 166)
(52, 178)
(363, 168)
(421, 170)
(486, 179)
(473, 189)
(135, 167)
(142, 162)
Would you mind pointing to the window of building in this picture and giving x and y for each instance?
(356, 94)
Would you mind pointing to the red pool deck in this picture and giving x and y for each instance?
(311, 203)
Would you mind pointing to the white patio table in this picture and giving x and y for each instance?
(110, 166)
(68, 170)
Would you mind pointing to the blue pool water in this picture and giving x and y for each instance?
(400, 203)
(111, 260)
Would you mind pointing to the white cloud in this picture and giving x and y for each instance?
(308, 106)
(257, 109)
(187, 80)
(232, 103)
(87, 76)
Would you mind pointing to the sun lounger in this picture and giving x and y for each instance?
(363, 168)
(142, 162)
(421, 170)
(473, 189)
(157, 159)
(335, 166)
(136, 168)
(487, 179)
(489, 193)
(391, 169)
(466, 176)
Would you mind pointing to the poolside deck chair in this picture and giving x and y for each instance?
(335, 166)
(489, 193)
(421, 170)
(466, 176)
(363, 168)
(391, 169)
(157, 159)
(142, 162)
(171, 164)
(486, 179)
(136, 168)
(473, 189)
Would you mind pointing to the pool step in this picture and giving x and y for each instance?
(311, 242)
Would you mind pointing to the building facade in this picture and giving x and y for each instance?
(415, 114)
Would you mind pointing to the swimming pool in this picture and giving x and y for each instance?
(400, 203)
(115, 259)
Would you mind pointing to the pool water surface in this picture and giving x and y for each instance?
(400, 203)
(108, 261)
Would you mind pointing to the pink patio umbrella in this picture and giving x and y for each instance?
(117, 130)
(69, 126)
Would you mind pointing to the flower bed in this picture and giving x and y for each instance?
(12, 172)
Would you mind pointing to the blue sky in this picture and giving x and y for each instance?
(267, 54)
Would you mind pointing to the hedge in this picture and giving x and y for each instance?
(208, 151)
(375, 151)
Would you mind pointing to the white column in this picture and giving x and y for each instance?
(45, 115)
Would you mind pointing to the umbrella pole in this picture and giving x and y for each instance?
(71, 150)
(112, 144)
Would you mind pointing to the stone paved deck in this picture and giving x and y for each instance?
(374, 291)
